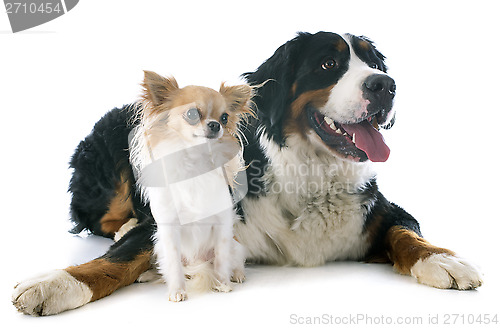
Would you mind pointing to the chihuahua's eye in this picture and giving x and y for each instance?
(192, 116)
(223, 118)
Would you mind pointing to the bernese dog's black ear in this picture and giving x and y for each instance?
(274, 80)
(383, 67)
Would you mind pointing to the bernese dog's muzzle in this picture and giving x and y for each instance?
(361, 140)
(379, 90)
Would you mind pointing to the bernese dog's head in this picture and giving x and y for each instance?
(332, 90)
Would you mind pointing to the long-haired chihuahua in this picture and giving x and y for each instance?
(187, 155)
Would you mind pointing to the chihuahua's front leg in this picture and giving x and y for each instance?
(169, 261)
(168, 246)
(222, 261)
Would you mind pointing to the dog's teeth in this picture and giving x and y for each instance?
(338, 131)
(332, 126)
(328, 120)
(354, 138)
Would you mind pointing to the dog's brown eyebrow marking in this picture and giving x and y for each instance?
(341, 45)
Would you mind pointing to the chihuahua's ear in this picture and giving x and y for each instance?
(238, 97)
(157, 89)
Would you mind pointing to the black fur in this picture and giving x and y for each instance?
(296, 63)
(389, 215)
(372, 57)
(99, 162)
(137, 241)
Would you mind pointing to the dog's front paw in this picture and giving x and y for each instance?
(238, 276)
(447, 271)
(222, 288)
(50, 293)
(177, 295)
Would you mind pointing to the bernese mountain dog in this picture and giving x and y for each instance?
(312, 193)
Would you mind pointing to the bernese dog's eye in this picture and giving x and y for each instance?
(223, 118)
(373, 65)
(328, 63)
(192, 116)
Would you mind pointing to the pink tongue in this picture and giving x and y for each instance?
(369, 140)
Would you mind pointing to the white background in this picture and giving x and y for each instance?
(58, 79)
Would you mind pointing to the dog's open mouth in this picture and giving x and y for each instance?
(359, 141)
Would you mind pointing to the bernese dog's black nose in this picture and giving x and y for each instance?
(379, 86)
(379, 90)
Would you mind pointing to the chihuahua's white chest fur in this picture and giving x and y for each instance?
(189, 243)
(194, 213)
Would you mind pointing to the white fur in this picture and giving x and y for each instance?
(152, 275)
(50, 293)
(446, 271)
(195, 216)
(206, 248)
(346, 103)
(316, 216)
(131, 224)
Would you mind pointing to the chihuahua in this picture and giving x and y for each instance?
(187, 153)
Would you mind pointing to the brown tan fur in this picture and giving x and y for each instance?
(104, 277)
(297, 122)
(120, 208)
(341, 45)
(405, 248)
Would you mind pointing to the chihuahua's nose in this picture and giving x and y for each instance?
(214, 126)
(213, 129)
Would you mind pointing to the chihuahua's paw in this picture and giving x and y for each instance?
(222, 287)
(178, 295)
(238, 276)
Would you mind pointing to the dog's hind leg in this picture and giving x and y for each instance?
(396, 236)
(75, 286)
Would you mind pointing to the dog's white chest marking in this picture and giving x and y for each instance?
(313, 211)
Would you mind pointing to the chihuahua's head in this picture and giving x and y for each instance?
(192, 113)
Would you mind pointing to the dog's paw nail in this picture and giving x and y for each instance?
(223, 288)
(177, 296)
(238, 277)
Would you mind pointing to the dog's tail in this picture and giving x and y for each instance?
(202, 277)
